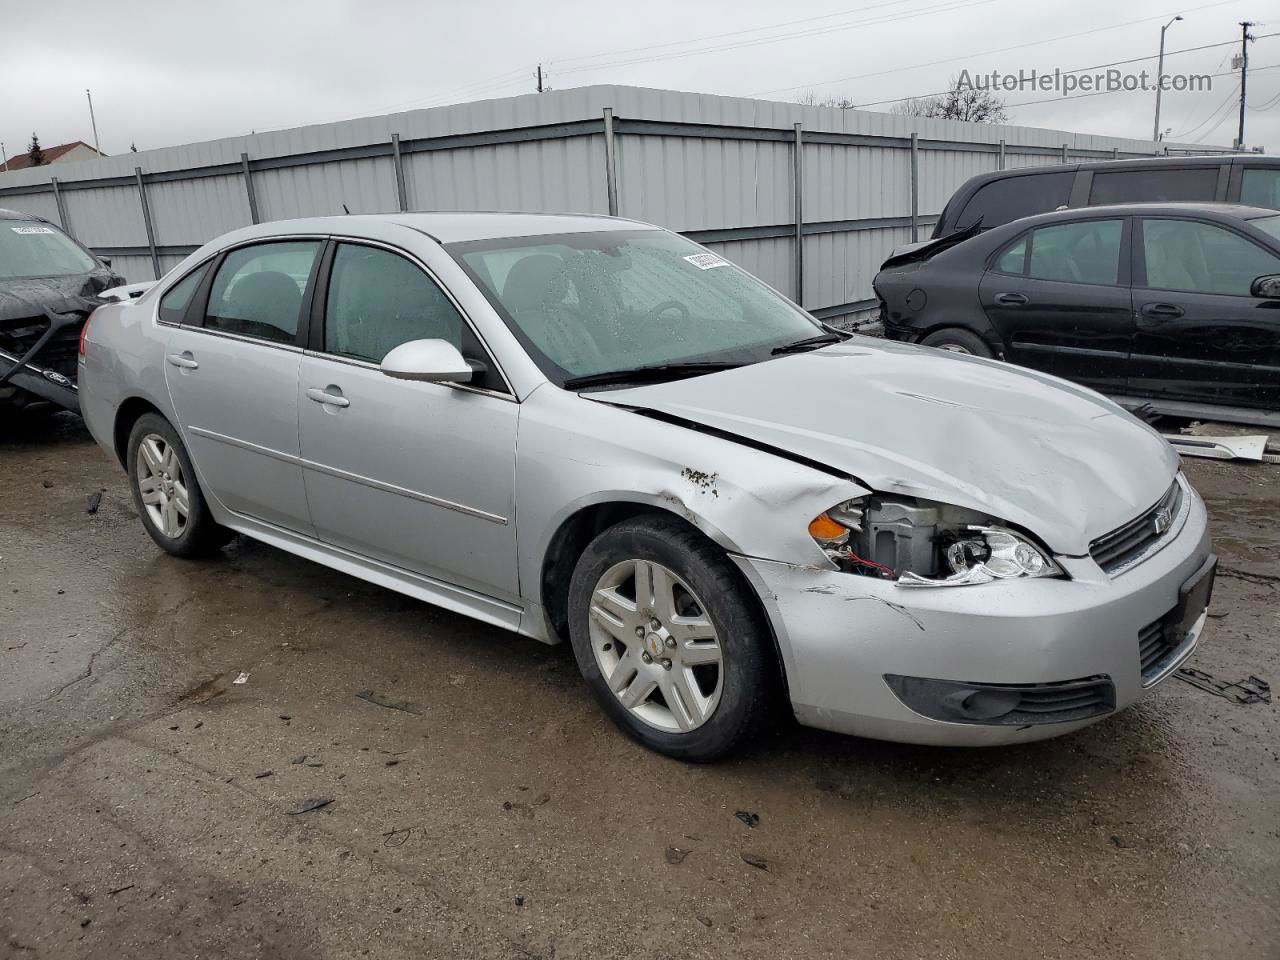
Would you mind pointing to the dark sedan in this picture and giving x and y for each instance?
(1167, 302)
(49, 284)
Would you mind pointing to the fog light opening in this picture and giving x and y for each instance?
(982, 704)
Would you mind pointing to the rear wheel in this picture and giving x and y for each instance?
(166, 493)
(669, 639)
(958, 340)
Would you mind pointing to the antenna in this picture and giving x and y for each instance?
(345, 210)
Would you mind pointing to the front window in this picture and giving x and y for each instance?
(1197, 257)
(29, 248)
(594, 303)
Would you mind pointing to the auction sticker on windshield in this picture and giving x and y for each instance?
(28, 230)
(706, 261)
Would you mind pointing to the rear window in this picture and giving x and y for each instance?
(1012, 198)
(1142, 186)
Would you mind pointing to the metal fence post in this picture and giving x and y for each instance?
(146, 222)
(1115, 153)
(610, 163)
(1065, 157)
(402, 194)
(1001, 160)
(62, 206)
(797, 177)
(248, 187)
(915, 187)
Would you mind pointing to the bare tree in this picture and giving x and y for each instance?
(811, 99)
(961, 102)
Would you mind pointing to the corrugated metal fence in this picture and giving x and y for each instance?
(810, 199)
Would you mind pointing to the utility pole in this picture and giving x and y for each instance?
(539, 78)
(1244, 75)
(1155, 133)
(5, 155)
(93, 121)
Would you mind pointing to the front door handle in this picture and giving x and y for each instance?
(1011, 299)
(332, 397)
(184, 360)
(1162, 311)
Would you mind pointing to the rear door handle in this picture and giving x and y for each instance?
(1162, 311)
(335, 399)
(1011, 299)
(184, 360)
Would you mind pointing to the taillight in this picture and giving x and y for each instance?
(84, 330)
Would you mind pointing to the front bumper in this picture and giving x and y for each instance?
(41, 382)
(841, 635)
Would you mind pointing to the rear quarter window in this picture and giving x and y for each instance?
(1142, 186)
(1260, 187)
(1002, 201)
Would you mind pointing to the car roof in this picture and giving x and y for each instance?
(457, 227)
(6, 214)
(1230, 211)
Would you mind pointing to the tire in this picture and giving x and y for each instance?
(958, 340)
(165, 471)
(720, 674)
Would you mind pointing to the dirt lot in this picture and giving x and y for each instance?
(145, 797)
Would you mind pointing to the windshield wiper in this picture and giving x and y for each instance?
(655, 373)
(809, 343)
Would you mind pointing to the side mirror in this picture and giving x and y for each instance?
(436, 361)
(1267, 287)
(105, 261)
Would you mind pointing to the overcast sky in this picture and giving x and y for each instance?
(170, 73)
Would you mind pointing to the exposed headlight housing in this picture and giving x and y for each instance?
(920, 543)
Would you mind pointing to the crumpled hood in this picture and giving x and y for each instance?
(1043, 454)
(31, 296)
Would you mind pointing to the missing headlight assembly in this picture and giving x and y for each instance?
(921, 543)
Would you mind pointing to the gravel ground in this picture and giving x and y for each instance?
(481, 807)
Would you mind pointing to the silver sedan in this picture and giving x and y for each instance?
(590, 429)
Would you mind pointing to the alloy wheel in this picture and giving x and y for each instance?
(163, 486)
(655, 646)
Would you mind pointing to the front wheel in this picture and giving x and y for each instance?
(166, 493)
(670, 640)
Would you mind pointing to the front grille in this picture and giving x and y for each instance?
(1119, 547)
(60, 354)
(1158, 645)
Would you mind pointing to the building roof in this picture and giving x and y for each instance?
(23, 160)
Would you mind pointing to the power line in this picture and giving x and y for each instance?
(732, 33)
(1213, 113)
(945, 7)
(985, 53)
(1096, 66)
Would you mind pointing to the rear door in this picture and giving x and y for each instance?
(1059, 298)
(1201, 336)
(232, 371)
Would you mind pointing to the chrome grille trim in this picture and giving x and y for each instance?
(1135, 541)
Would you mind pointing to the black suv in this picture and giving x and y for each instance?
(998, 198)
(49, 284)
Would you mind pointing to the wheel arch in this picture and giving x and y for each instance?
(984, 330)
(583, 525)
(127, 414)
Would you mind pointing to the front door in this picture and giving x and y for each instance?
(1201, 335)
(1059, 298)
(417, 475)
(232, 372)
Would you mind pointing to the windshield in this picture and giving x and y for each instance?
(1269, 225)
(29, 248)
(594, 303)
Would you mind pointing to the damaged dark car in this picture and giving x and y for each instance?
(49, 284)
(1176, 305)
